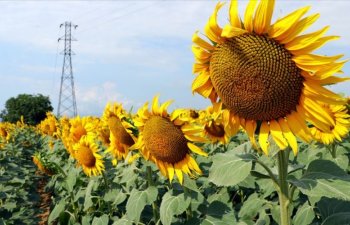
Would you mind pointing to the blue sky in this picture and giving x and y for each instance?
(127, 51)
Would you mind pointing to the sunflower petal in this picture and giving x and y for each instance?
(263, 16)
(248, 16)
(200, 81)
(287, 133)
(277, 134)
(201, 43)
(230, 31)
(281, 27)
(298, 126)
(315, 45)
(178, 172)
(304, 41)
(155, 105)
(234, 17)
(263, 137)
(299, 27)
(163, 108)
(250, 127)
(196, 149)
(170, 170)
(211, 29)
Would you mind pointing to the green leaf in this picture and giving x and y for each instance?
(88, 202)
(304, 215)
(123, 221)
(228, 220)
(115, 196)
(324, 178)
(138, 200)
(71, 180)
(172, 205)
(57, 210)
(338, 219)
(251, 207)
(102, 220)
(228, 169)
(330, 206)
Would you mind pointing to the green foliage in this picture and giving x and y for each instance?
(33, 108)
(235, 188)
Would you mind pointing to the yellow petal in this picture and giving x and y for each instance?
(199, 67)
(200, 81)
(201, 43)
(170, 170)
(250, 127)
(211, 29)
(155, 104)
(277, 134)
(162, 168)
(304, 41)
(281, 27)
(263, 137)
(195, 138)
(299, 27)
(315, 45)
(206, 89)
(179, 172)
(200, 53)
(329, 70)
(193, 165)
(287, 133)
(196, 149)
(263, 16)
(230, 31)
(317, 110)
(249, 15)
(333, 80)
(164, 107)
(234, 16)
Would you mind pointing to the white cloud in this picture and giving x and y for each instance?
(92, 100)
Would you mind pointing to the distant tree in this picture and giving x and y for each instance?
(33, 108)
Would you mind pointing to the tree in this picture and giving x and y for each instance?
(33, 108)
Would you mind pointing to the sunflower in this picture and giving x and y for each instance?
(72, 132)
(86, 153)
(122, 131)
(216, 127)
(167, 140)
(49, 126)
(266, 74)
(38, 161)
(336, 132)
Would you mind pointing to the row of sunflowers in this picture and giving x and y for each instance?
(262, 79)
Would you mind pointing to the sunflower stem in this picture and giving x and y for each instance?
(283, 190)
(189, 209)
(105, 180)
(150, 183)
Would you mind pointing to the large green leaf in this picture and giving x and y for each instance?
(229, 169)
(172, 205)
(88, 202)
(304, 215)
(331, 206)
(138, 200)
(324, 178)
(338, 219)
(57, 210)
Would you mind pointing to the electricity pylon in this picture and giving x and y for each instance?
(67, 105)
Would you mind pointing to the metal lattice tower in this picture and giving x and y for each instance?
(67, 105)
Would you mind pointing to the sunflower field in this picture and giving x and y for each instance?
(273, 147)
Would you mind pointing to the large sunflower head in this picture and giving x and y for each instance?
(266, 73)
(167, 140)
(122, 131)
(86, 153)
(340, 128)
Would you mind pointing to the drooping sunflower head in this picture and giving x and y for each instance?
(266, 73)
(167, 140)
(122, 131)
(337, 131)
(86, 153)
